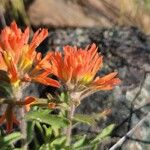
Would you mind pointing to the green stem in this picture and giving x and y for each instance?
(70, 116)
(23, 126)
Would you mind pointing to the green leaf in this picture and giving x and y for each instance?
(44, 117)
(30, 131)
(41, 130)
(56, 131)
(45, 147)
(39, 126)
(88, 119)
(59, 141)
(48, 131)
(63, 106)
(95, 147)
(85, 146)
(48, 146)
(79, 142)
(63, 97)
(104, 134)
(9, 139)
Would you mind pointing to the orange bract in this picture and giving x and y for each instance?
(78, 67)
(9, 114)
(19, 58)
(10, 118)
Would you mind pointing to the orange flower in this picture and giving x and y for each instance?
(10, 118)
(9, 114)
(19, 58)
(78, 68)
(27, 102)
(20, 63)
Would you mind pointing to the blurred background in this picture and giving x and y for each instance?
(77, 13)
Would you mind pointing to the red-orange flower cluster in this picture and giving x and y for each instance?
(23, 64)
(78, 68)
(20, 59)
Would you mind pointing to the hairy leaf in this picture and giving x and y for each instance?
(9, 139)
(44, 117)
(104, 134)
(88, 119)
(79, 142)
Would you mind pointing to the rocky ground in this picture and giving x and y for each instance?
(126, 50)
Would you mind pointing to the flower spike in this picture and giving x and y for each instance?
(21, 60)
(77, 68)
